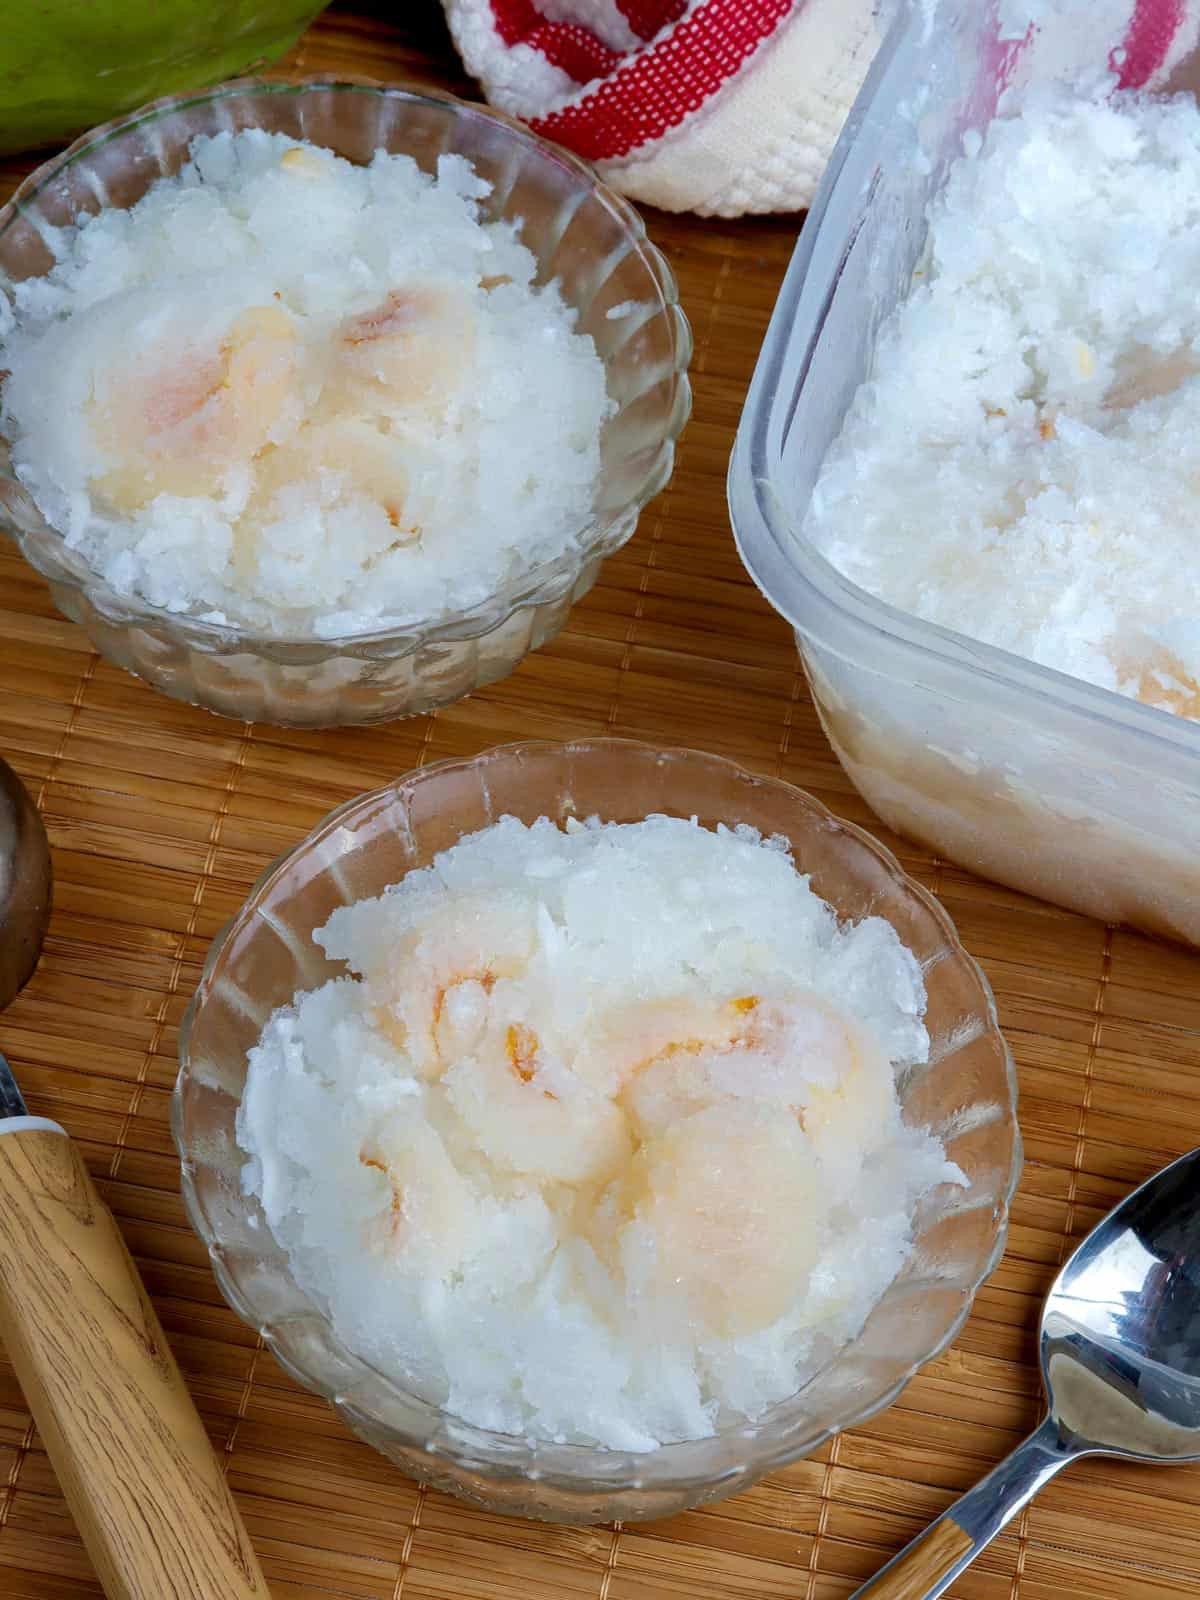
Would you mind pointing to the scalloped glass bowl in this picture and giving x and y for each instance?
(582, 234)
(967, 1093)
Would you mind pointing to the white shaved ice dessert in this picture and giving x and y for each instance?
(301, 396)
(601, 1141)
(1023, 464)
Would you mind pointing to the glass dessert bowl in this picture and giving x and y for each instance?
(965, 1094)
(583, 238)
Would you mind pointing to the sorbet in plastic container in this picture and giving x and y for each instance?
(1066, 789)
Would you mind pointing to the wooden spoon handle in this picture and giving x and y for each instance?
(130, 1451)
(928, 1566)
(918, 1569)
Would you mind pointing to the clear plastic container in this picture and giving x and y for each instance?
(1018, 772)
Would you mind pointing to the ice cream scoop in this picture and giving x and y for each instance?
(131, 1453)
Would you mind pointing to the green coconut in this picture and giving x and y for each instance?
(66, 65)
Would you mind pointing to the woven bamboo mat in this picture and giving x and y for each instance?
(160, 817)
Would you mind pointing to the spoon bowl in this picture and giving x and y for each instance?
(1120, 1340)
(1120, 1358)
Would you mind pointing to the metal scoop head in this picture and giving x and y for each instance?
(25, 888)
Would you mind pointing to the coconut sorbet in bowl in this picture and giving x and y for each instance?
(300, 395)
(601, 1141)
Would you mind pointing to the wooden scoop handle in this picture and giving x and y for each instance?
(130, 1451)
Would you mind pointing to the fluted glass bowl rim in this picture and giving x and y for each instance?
(46, 549)
(770, 1441)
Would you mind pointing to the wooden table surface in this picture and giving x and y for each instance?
(160, 817)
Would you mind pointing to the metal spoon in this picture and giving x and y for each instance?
(125, 1440)
(1120, 1354)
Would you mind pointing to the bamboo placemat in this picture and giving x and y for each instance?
(160, 817)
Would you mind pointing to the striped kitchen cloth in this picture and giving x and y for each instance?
(730, 106)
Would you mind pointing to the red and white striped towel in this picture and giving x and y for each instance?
(714, 106)
(730, 106)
